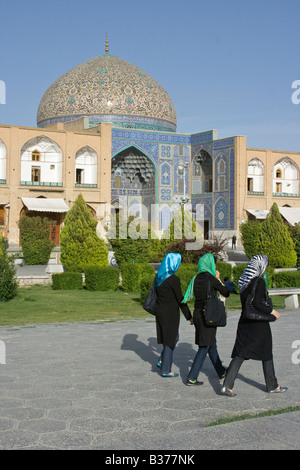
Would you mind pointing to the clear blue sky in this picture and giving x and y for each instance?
(227, 64)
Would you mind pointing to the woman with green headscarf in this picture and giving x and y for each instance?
(205, 337)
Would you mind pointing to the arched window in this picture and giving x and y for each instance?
(286, 178)
(2, 163)
(41, 162)
(255, 177)
(86, 168)
(202, 171)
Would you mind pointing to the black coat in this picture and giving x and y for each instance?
(205, 336)
(169, 297)
(254, 338)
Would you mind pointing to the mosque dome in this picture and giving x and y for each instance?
(108, 89)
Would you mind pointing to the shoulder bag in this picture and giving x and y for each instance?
(214, 310)
(249, 312)
(150, 301)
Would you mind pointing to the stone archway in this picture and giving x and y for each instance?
(133, 178)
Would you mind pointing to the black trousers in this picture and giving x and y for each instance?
(234, 367)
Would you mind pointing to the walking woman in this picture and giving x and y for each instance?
(254, 338)
(205, 337)
(169, 297)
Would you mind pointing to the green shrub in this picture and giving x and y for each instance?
(67, 281)
(8, 279)
(35, 239)
(80, 246)
(132, 273)
(250, 233)
(225, 269)
(276, 242)
(286, 279)
(239, 269)
(130, 239)
(295, 234)
(145, 285)
(185, 273)
(101, 278)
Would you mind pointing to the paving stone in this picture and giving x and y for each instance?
(96, 386)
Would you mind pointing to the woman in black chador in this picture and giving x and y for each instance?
(254, 338)
(169, 297)
(205, 336)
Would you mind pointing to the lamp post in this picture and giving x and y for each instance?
(181, 171)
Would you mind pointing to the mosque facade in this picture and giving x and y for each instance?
(108, 130)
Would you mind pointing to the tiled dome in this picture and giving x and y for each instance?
(108, 89)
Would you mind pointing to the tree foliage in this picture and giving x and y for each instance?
(250, 236)
(80, 246)
(271, 238)
(129, 239)
(35, 239)
(182, 230)
(8, 278)
(276, 242)
(295, 234)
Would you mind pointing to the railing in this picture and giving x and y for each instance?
(261, 193)
(285, 195)
(40, 183)
(256, 193)
(83, 185)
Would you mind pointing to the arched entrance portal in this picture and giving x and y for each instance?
(133, 179)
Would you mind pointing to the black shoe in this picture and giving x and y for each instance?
(227, 392)
(279, 390)
(193, 382)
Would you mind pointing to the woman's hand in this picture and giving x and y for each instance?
(218, 277)
(275, 313)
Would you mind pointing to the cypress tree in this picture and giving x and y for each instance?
(79, 243)
(8, 277)
(276, 242)
(250, 236)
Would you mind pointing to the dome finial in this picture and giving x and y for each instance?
(106, 44)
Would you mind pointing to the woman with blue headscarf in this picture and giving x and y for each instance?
(169, 297)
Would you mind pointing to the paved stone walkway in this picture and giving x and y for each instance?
(95, 386)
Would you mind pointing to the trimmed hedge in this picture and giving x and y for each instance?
(67, 281)
(225, 269)
(185, 273)
(239, 269)
(102, 278)
(286, 279)
(145, 285)
(132, 273)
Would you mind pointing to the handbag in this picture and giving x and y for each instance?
(249, 312)
(150, 301)
(214, 310)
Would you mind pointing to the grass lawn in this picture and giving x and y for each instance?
(42, 304)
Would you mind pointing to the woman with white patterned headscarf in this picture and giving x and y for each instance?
(254, 338)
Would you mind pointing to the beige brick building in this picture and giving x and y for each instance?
(42, 169)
